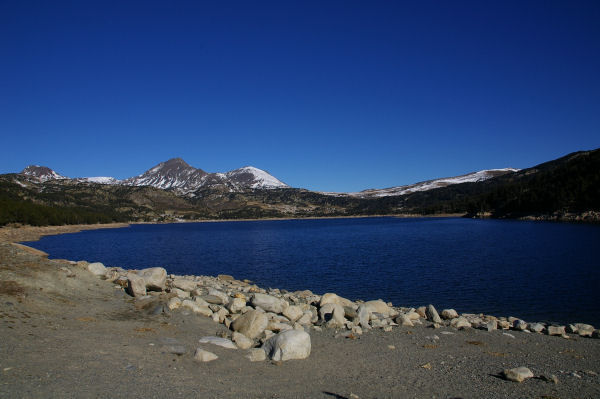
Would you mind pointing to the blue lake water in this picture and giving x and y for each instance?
(538, 271)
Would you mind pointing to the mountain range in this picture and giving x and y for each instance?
(174, 174)
(567, 188)
(177, 175)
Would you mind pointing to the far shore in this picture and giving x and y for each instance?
(21, 233)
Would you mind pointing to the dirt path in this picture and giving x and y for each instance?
(81, 337)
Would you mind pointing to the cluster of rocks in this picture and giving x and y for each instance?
(275, 323)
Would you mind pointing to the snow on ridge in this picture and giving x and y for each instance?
(100, 180)
(261, 178)
(42, 173)
(429, 184)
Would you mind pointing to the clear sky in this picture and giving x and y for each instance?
(325, 95)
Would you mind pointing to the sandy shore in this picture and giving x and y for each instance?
(66, 333)
(33, 233)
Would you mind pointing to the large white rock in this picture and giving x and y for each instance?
(460, 323)
(196, 308)
(251, 324)
(584, 330)
(293, 312)
(288, 345)
(97, 269)
(333, 314)
(404, 320)
(334, 298)
(155, 277)
(269, 303)
(363, 317)
(224, 297)
(136, 285)
(236, 305)
(536, 327)
(242, 341)
(378, 306)
(556, 330)
(448, 314)
(184, 284)
(432, 315)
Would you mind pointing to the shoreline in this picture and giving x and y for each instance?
(16, 234)
(80, 316)
(33, 233)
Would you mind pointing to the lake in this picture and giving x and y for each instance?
(538, 271)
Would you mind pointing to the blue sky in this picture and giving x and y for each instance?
(325, 95)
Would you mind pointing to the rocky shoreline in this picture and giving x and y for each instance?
(264, 319)
(313, 333)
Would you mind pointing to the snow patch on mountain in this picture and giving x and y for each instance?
(176, 174)
(99, 180)
(429, 184)
(255, 178)
(42, 173)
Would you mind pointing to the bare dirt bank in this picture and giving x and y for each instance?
(33, 233)
(66, 333)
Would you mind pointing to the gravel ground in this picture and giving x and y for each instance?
(81, 337)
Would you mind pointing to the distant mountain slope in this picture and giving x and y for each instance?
(41, 173)
(172, 174)
(175, 174)
(570, 184)
(433, 184)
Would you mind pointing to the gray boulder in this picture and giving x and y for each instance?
(293, 312)
(536, 327)
(269, 303)
(155, 278)
(404, 320)
(251, 324)
(184, 284)
(584, 330)
(242, 341)
(334, 298)
(333, 314)
(448, 314)
(136, 285)
(236, 305)
(378, 306)
(363, 317)
(97, 269)
(556, 330)
(432, 315)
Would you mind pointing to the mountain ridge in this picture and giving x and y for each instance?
(174, 174)
(566, 189)
(178, 175)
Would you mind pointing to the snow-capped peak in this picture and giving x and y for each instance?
(255, 178)
(42, 173)
(178, 175)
